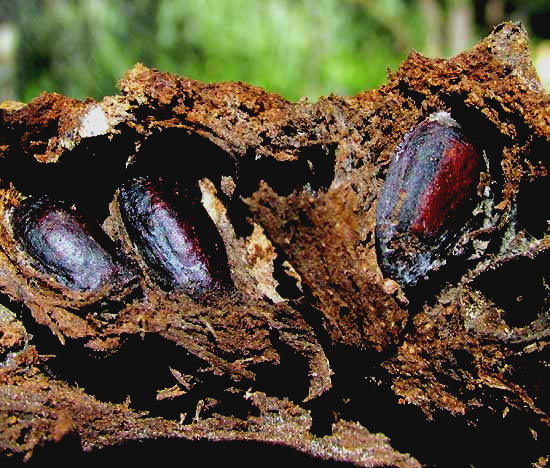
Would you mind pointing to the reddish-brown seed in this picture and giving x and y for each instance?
(429, 190)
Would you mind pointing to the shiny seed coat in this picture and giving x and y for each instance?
(428, 193)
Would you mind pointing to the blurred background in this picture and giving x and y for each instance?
(293, 47)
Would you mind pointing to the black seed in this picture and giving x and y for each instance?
(75, 252)
(174, 235)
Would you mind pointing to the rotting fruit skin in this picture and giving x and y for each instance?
(429, 188)
(174, 236)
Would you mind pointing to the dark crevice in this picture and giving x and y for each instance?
(321, 160)
(137, 370)
(518, 287)
(533, 370)
(287, 285)
(74, 179)
(159, 113)
(533, 213)
(314, 168)
(357, 396)
(23, 435)
(282, 176)
(111, 307)
(141, 367)
(428, 289)
(289, 379)
(485, 137)
(238, 213)
(161, 452)
(175, 153)
(407, 92)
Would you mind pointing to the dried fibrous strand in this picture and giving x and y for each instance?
(429, 189)
(65, 246)
(174, 236)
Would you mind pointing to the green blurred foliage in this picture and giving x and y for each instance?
(293, 47)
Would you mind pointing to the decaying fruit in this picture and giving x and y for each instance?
(428, 191)
(251, 364)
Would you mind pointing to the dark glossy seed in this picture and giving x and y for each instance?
(429, 191)
(174, 235)
(76, 253)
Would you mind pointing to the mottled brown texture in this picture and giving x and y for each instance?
(13, 336)
(292, 189)
(43, 409)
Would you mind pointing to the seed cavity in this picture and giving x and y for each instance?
(75, 252)
(174, 235)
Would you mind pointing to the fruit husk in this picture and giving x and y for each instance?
(313, 336)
